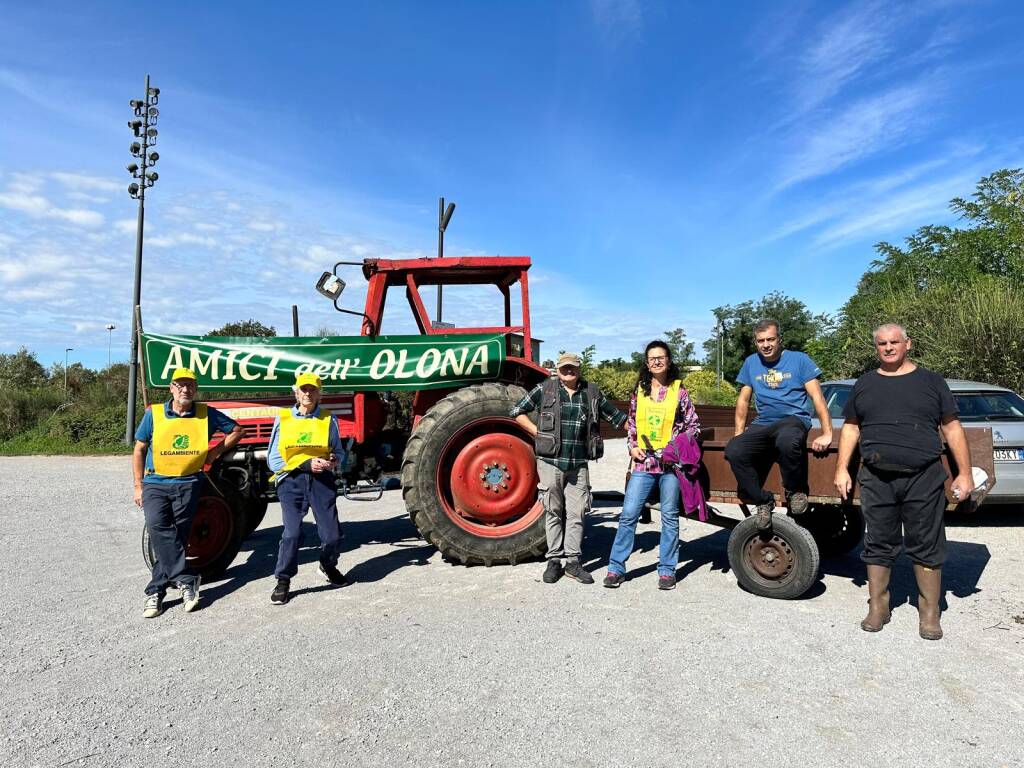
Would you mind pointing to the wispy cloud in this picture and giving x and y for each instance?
(916, 206)
(23, 194)
(863, 129)
(618, 21)
(83, 182)
(848, 44)
(892, 204)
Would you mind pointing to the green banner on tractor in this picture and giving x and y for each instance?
(345, 363)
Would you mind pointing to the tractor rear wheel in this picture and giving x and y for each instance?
(469, 478)
(215, 538)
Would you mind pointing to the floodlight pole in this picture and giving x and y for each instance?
(68, 349)
(721, 333)
(144, 110)
(110, 335)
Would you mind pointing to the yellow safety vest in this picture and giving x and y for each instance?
(302, 439)
(655, 420)
(179, 445)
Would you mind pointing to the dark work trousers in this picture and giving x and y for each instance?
(752, 454)
(916, 503)
(169, 509)
(297, 493)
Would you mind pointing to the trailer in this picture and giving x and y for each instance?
(784, 561)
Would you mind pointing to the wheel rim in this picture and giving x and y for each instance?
(487, 479)
(212, 529)
(771, 556)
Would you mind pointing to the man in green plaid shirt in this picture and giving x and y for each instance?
(564, 437)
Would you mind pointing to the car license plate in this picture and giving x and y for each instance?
(1008, 454)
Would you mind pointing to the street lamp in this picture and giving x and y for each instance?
(66, 350)
(143, 127)
(443, 217)
(720, 333)
(110, 328)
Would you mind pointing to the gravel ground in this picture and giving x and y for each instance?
(424, 663)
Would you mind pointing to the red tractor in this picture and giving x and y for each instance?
(468, 471)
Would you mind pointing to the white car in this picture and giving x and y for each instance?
(981, 405)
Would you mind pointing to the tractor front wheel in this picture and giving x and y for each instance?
(469, 478)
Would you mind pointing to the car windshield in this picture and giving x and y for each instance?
(989, 406)
(835, 399)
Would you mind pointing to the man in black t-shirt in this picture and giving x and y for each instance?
(896, 412)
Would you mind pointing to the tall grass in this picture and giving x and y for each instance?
(966, 330)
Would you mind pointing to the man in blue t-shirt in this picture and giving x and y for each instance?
(783, 382)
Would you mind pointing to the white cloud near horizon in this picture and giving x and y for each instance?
(23, 194)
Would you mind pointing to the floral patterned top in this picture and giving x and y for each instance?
(686, 421)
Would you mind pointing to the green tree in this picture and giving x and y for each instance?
(799, 327)
(956, 290)
(681, 349)
(248, 327)
(21, 370)
(618, 364)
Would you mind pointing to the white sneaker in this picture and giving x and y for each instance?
(154, 606)
(190, 596)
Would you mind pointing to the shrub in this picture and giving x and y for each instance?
(616, 384)
(704, 389)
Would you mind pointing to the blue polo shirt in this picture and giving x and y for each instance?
(274, 459)
(779, 387)
(215, 421)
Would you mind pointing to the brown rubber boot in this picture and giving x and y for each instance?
(929, 589)
(878, 601)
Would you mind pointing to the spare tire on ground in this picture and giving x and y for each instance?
(781, 562)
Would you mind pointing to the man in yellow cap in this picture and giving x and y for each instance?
(305, 447)
(171, 449)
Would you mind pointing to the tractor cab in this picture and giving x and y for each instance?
(503, 272)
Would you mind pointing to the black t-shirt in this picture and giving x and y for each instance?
(899, 418)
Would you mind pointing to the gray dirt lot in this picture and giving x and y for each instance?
(424, 663)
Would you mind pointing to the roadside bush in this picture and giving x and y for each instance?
(704, 389)
(98, 428)
(616, 384)
(22, 409)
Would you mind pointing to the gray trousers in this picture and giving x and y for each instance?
(566, 500)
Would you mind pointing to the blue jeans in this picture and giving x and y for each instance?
(640, 485)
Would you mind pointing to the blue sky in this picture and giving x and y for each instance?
(654, 159)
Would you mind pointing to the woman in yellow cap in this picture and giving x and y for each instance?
(305, 447)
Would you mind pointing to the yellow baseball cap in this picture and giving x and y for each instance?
(308, 378)
(183, 373)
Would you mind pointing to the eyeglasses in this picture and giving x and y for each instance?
(183, 385)
(657, 360)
